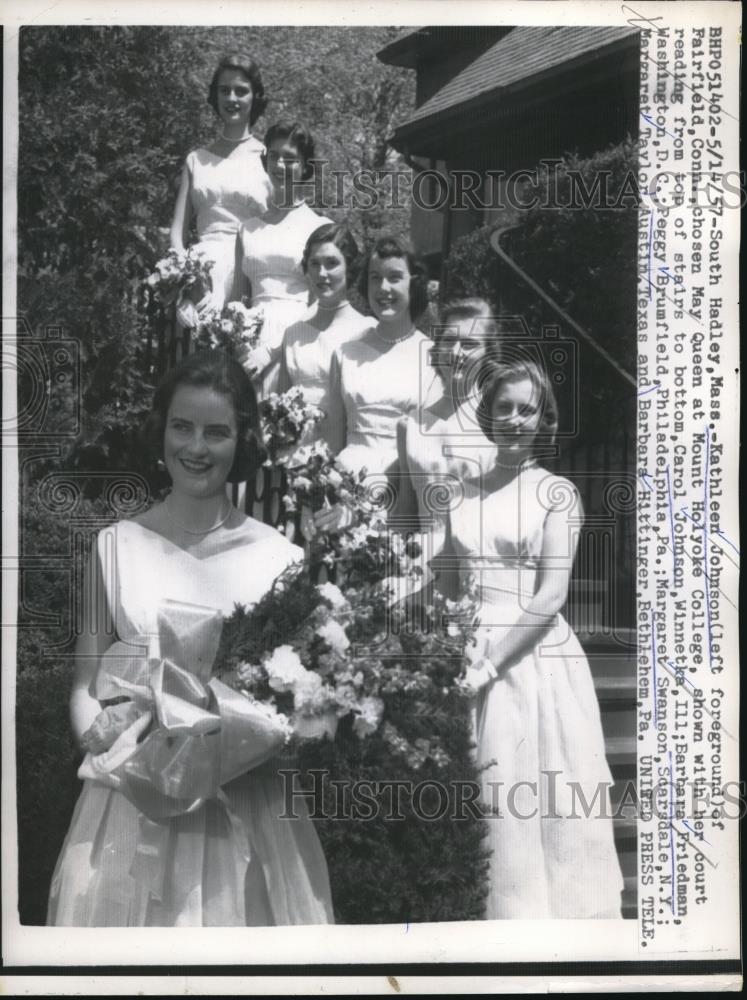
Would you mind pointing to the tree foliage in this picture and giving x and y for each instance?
(108, 115)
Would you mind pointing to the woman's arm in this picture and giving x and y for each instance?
(336, 433)
(284, 379)
(182, 212)
(336, 422)
(559, 545)
(405, 511)
(92, 643)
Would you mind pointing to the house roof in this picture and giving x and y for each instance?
(520, 59)
(416, 44)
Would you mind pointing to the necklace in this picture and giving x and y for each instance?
(394, 340)
(228, 138)
(191, 531)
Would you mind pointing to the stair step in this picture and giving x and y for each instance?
(630, 897)
(626, 829)
(620, 751)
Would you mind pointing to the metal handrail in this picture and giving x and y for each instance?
(495, 242)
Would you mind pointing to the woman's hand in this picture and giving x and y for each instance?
(211, 302)
(333, 518)
(253, 360)
(186, 313)
(480, 671)
(108, 725)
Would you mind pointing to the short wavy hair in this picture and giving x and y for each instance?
(392, 246)
(340, 236)
(454, 310)
(217, 371)
(243, 62)
(297, 135)
(516, 370)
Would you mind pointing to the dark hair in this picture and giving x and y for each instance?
(294, 134)
(338, 234)
(516, 370)
(392, 246)
(243, 62)
(225, 375)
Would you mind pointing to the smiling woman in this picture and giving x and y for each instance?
(329, 262)
(516, 530)
(224, 184)
(272, 248)
(192, 555)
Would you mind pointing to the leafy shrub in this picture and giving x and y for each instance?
(47, 786)
(408, 870)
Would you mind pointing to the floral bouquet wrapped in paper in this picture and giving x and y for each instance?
(191, 733)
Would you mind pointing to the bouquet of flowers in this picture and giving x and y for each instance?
(229, 329)
(315, 655)
(180, 274)
(315, 479)
(285, 418)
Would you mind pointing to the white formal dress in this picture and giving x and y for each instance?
(105, 875)
(306, 356)
(537, 726)
(373, 384)
(226, 192)
(272, 254)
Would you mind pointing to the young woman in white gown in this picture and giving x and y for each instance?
(230, 860)
(537, 720)
(441, 445)
(380, 377)
(224, 184)
(328, 262)
(272, 247)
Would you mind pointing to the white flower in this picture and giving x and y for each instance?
(334, 635)
(284, 668)
(311, 727)
(309, 695)
(332, 593)
(368, 716)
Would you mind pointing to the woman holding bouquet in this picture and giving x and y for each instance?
(178, 822)
(224, 184)
(306, 351)
(272, 248)
(537, 721)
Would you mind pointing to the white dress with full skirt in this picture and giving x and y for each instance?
(104, 875)
(537, 723)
